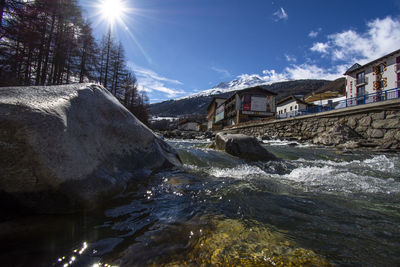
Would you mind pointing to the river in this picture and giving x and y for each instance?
(313, 207)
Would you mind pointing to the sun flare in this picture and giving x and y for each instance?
(112, 10)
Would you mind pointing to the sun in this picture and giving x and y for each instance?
(112, 10)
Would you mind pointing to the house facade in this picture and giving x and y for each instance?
(212, 109)
(290, 106)
(377, 76)
(253, 103)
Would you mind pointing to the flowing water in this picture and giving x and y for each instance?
(313, 207)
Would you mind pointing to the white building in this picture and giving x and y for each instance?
(380, 77)
(290, 106)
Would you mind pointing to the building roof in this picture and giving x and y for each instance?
(260, 87)
(213, 100)
(321, 96)
(353, 68)
(358, 66)
(293, 98)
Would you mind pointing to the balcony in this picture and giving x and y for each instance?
(362, 81)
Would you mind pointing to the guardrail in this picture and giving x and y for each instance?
(349, 102)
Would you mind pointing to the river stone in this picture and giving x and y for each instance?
(338, 134)
(349, 145)
(242, 146)
(64, 148)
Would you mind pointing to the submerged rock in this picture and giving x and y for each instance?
(221, 242)
(242, 146)
(64, 148)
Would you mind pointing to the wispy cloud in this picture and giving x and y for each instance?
(381, 37)
(313, 34)
(150, 81)
(224, 73)
(290, 58)
(281, 14)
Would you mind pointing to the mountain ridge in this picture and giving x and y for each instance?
(197, 104)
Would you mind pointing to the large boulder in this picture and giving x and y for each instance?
(64, 148)
(243, 146)
(336, 135)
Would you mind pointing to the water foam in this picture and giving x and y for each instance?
(330, 179)
(381, 163)
(278, 142)
(243, 171)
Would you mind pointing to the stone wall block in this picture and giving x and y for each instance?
(378, 116)
(375, 133)
(387, 124)
(352, 122)
(365, 122)
(390, 134)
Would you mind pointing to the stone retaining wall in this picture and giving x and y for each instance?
(372, 125)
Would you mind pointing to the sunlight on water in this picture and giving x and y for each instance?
(230, 242)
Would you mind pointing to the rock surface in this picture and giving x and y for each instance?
(242, 146)
(64, 148)
(337, 134)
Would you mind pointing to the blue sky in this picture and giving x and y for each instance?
(179, 47)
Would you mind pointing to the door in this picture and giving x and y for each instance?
(361, 95)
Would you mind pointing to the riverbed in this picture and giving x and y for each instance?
(312, 207)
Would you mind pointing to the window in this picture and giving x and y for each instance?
(361, 91)
(285, 110)
(295, 107)
(397, 64)
(381, 68)
(381, 84)
(361, 77)
(398, 80)
(291, 108)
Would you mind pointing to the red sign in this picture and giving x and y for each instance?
(246, 103)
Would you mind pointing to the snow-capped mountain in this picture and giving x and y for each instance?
(241, 82)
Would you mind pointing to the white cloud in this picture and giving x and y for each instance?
(304, 71)
(381, 37)
(311, 71)
(281, 14)
(290, 58)
(224, 73)
(150, 81)
(314, 34)
(320, 47)
(272, 76)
